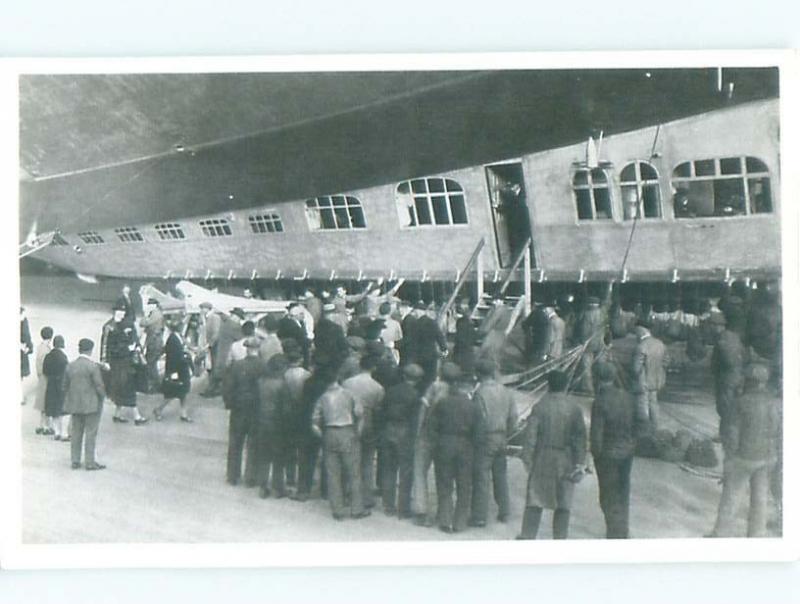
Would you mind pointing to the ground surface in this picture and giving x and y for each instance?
(165, 481)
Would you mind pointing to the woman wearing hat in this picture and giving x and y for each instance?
(120, 350)
(177, 372)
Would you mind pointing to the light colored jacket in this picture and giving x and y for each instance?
(649, 361)
(83, 384)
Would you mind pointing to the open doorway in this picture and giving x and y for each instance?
(512, 223)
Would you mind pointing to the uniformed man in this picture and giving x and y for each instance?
(648, 372)
(455, 427)
(337, 419)
(240, 395)
(500, 419)
(554, 455)
(401, 407)
(370, 395)
(613, 442)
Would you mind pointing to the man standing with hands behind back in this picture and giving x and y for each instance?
(85, 393)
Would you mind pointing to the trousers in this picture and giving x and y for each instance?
(422, 499)
(341, 451)
(647, 409)
(490, 465)
(368, 448)
(270, 459)
(737, 475)
(533, 517)
(241, 432)
(397, 472)
(308, 447)
(614, 482)
(83, 433)
(453, 467)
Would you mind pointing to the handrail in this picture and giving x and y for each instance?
(461, 281)
(515, 265)
(515, 315)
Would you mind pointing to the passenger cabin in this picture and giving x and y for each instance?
(692, 199)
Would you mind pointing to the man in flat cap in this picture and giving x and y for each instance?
(241, 395)
(500, 417)
(455, 428)
(401, 405)
(85, 393)
(612, 438)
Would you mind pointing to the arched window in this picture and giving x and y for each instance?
(335, 212)
(592, 194)
(641, 192)
(721, 187)
(430, 202)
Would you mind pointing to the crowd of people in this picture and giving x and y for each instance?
(366, 390)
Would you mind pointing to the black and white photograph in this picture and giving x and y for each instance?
(451, 303)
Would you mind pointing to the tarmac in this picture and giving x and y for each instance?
(165, 481)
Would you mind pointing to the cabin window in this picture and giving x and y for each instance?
(129, 234)
(641, 192)
(335, 212)
(592, 194)
(728, 186)
(170, 231)
(91, 238)
(216, 227)
(431, 202)
(267, 222)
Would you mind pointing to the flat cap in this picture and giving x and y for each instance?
(450, 372)
(356, 342)
(413, 371)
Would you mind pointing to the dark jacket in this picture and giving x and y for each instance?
(55, 368)
(240, 384)
(273, 402)
(611, 432)
(330, 344)
(455, 416)
(465, 342)
(428, 339)
(289, 329)
(400, 408)
(176, 362)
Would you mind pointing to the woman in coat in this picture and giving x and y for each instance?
(554, 454)
(119, 346)
(177, 372)
(54, 368)
(41, 381)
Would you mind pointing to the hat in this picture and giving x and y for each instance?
(85, 345)
(270, 323)
(605, 372)
(356, 343)
(374, 347)
(450, 372)
(206, 304)
(328, 307)
(251, 343)
(486, 366)
(413, 371)
(420, 305)
(118, 306)
(153, 301)
(385, 308)
(238, 312)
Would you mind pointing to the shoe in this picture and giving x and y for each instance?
(301, 497)
(263, 492)
(157, 416)
(187, 419)
(280, 495)
(141, 421)
(363, 514)
(40, 430)
(446, 529)
(421, 520)
(404, 515)
(233, 481)
(502, 518)
(63, 439)
(523, 538)
(57, 437)
(250, 483)
(477, 523)
(119, 420)
(389, 511)
(95, 466)
(76, 465)
(48, 432)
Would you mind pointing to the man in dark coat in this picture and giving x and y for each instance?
(455, 427)
(554, 454)
(330, 343)
(409, 341)
(430, 345)
(465, 341)
(499, 411)
(85, 393)
(612, 445)
(401, 406)
(240, 395)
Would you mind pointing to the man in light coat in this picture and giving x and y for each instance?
(649, 376)
(83, 384)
